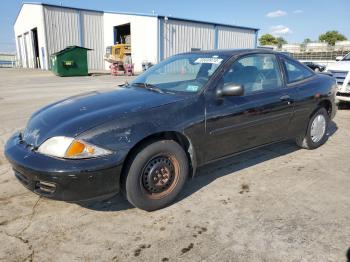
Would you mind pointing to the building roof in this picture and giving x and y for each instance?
(139, 14)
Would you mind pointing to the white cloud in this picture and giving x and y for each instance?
(298, 11)
(280, 30)
(277, 13)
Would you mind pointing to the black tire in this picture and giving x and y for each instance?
(306, 140)
(144, 168)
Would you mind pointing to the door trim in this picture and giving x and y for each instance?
(253, 123)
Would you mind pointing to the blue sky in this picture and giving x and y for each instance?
(294, 20)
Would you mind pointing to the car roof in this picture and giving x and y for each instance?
(232, 52)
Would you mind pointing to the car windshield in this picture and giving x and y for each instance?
(347, 57)
(186, 73)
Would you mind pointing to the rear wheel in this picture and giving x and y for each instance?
(316, 134)
(317, 70)
(156, 175)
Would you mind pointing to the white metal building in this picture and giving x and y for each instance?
(342, 45)
(291, 48)
(317, 47)
(43, 29)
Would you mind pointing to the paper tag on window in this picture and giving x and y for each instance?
(209, 60)
(192, 88)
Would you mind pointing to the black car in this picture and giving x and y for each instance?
(315, 67)
(147, 137)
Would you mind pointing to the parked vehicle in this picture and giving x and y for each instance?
(147, 137)
(315, 67)
(341, 71)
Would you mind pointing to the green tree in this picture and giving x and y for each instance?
(331, 37)
(307, 40)
(281, 41)
(268, 39)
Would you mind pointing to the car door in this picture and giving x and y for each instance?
(301, 79)
(260, 116)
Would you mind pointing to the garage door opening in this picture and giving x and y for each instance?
(122, 34)
(35, 47)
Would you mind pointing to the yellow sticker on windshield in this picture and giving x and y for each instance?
(208, 60)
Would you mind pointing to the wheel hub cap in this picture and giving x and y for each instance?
(158, 174)
(318, 128)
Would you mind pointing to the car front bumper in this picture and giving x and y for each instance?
(342, 97)
(63, 179)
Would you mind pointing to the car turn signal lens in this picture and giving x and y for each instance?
(80, 149)
(75, 148)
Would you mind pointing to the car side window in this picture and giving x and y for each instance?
(295, 72)
(255, 73)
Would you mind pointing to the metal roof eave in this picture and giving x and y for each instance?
(208, 22)
(139, 14)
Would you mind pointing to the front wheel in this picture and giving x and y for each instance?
(316, 134)
(156, 175)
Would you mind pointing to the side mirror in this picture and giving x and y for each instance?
(230, 90)
(338, 58)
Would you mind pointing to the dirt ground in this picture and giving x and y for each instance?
(279, 203)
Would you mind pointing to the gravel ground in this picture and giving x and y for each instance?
(279, 203)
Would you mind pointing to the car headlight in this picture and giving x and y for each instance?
(67, 147)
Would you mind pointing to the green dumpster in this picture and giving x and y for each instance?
(71, 61)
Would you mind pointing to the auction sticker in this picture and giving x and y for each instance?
(208, 60)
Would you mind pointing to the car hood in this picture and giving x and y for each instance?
(77, 114)
(340, 66)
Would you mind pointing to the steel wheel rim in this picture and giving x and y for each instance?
(318, 128)
(160, 176)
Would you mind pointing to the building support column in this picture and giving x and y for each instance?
(216, 37)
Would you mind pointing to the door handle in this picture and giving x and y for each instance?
(286, 98)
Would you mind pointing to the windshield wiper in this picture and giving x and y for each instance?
(149, 87)
(126, 84)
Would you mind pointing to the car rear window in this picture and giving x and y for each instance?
(295, 71)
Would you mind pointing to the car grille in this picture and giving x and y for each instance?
(22, 178)
(343, 94)
(38, 186)
(45, 188)
(339, 76)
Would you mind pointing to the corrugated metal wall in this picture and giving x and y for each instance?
(235, 38)
(180, 36)
(62, 28)
(66, 27)
(92, 35)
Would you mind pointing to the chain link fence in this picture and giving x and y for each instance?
(322, 56)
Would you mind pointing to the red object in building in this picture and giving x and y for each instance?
(129, 69)
(120, 69)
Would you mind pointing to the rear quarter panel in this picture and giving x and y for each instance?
(310, 94)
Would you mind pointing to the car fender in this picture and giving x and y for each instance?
(126, 132)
